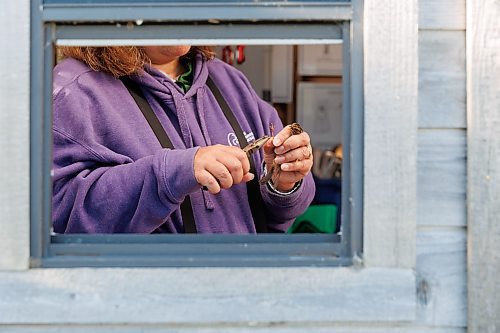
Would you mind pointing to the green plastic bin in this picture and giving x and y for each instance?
(316, 219)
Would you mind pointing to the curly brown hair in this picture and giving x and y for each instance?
(121, 60)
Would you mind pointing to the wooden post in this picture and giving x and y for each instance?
(14, 134)
(483, 108)
(390, 136)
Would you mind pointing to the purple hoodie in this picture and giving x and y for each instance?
(112, 176)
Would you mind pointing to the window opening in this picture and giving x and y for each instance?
(265, 249)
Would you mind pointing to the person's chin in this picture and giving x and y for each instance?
(177, 50)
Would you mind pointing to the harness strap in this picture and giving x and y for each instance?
(253, 186)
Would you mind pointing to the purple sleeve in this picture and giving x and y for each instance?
(95, 195)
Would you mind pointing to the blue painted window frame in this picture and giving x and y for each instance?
(56, 21)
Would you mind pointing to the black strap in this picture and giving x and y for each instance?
(161, 135)
(253, 186)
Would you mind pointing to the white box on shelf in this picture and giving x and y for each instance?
(319, 111)
(320, 60)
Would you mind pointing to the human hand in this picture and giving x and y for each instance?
(220, 166)
(292, 156)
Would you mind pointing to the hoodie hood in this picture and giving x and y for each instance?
(184, 106)
(163, 87)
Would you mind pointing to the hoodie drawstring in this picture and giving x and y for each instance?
(181, 116)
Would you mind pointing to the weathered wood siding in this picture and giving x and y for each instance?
(483, 70)
(442, 154)
(205, 296)
(346, 300)
(325, 327)
(391, 112)
(14, 134)
(442, 14)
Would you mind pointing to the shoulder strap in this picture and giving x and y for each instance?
(161, 135)
(253, 186)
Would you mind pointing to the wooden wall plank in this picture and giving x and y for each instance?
(483, 90)
(441, 277)
(442, 81)
(442, 178)
(201, 296)
(390, 137)
(14, 134)
(247, 327)
(442, 14)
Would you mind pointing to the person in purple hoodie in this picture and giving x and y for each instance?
(112, 175)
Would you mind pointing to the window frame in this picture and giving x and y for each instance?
(191, 250)
(197, 10)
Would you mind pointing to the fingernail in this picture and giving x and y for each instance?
(252, 176)
(279, 150)
(285, 167)
(276, 141)
(279, 159)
